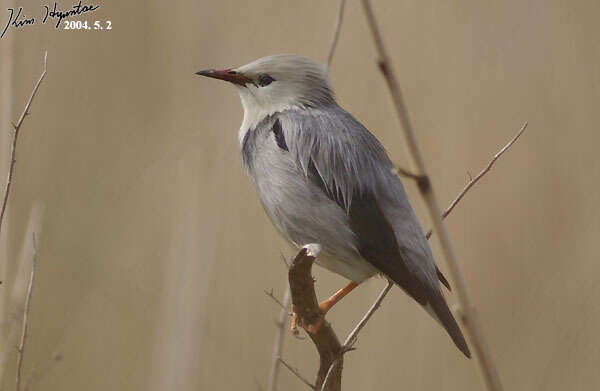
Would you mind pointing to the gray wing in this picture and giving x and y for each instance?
(349, 164)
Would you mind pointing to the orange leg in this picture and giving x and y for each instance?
(324, 306)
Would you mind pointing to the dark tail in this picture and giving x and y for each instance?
(445, 317)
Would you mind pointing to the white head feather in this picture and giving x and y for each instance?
(297, 83)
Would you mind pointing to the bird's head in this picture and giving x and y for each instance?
(276, 83)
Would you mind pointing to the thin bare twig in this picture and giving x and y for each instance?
(287, 264)
(279, 339)
(21, 347)
(329, 372)
(481, 350)
(276, 300)
(336, 32)
(473, 181)
(13, 148)
(298, 375)
(351, 338)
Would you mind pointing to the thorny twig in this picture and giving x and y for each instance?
(13, 147)
(473, 181)
(278, 348)
(279, 339)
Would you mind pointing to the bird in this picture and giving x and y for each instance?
(322, 177)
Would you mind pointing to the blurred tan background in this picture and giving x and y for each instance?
(154, 250)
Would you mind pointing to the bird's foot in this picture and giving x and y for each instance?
(324, 307)
(309, 328)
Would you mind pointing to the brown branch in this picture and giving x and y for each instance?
(305, 305)
(336, 32)
(472, 325)
(279, 340)
(21, 347)
(13, 148)
(473, 181)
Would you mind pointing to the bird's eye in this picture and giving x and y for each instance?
(265, 80)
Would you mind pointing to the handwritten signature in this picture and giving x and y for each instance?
(21, 20)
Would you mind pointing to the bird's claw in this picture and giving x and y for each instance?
(310, 328)
(294, 325)
(314, 328)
